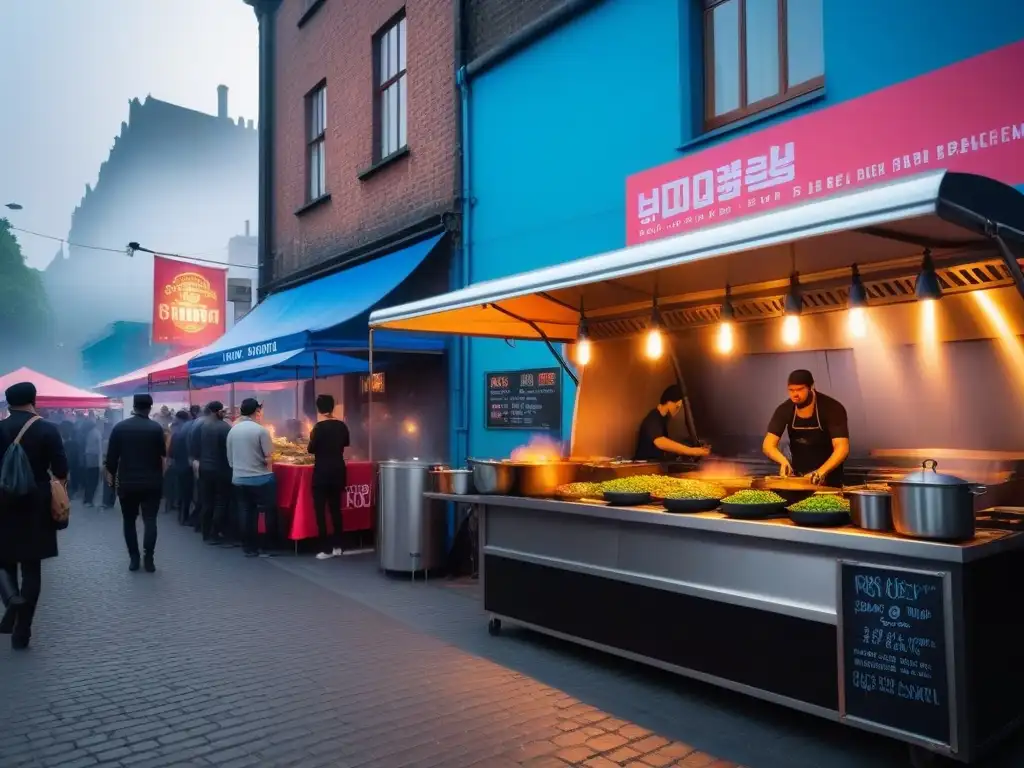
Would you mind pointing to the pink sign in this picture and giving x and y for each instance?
(967, 117)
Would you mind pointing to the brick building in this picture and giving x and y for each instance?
(361, 155)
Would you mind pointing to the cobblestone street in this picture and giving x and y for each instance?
(220, 661)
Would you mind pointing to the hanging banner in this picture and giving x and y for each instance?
(188, 303)
(958, 118)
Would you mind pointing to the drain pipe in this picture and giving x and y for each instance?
(465, 262)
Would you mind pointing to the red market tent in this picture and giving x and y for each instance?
(163, 373)
(51, 393)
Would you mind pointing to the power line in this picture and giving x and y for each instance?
(129, 251)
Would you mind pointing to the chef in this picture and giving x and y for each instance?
(819, 437)
(653, 442)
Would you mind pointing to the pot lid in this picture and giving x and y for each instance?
(929, 475)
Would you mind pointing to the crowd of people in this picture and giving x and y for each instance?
(215, 475)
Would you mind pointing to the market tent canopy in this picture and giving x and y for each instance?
(51, 393)
(284, 366)
(172, 370)
(885, 226)
(330, 314)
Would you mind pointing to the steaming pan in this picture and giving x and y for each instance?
(540, 479)
(493, 477)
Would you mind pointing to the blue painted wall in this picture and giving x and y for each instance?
(555, 131)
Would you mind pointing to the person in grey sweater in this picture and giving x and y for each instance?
(250, 450)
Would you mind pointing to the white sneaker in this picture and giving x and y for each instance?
(326, 555)
(337, 552)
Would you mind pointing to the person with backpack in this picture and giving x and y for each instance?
(31, 451)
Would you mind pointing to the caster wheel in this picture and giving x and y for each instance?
(494, 627)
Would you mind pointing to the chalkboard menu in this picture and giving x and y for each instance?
(894, 649)
(530, 399)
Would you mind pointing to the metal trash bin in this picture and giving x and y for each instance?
(411, 530)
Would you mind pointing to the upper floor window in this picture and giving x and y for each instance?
(392, 90)
(759, 53)
(316, 135)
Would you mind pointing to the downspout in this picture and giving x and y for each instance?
(465, 264)
(266, 13)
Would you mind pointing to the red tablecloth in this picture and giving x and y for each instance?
(295, 498)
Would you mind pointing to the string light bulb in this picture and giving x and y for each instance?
(654, 345)
(583, 349)
(794, 307)
(726, 317)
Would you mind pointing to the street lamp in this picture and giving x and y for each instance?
(14, 206)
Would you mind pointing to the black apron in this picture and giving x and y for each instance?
(811, 447)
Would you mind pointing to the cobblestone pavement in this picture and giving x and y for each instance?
(220, 661)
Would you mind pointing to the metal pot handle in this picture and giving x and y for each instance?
(977, 489)
(931, 464)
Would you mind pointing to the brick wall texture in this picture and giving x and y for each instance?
(490, 22)
(336, 44)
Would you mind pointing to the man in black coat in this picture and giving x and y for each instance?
(135, 456)
(27, 531)
(214, 474)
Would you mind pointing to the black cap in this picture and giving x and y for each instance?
(672, 394)
(21, 394)
(249, 406)
(800, 378)
(142, 402)
(214, 406)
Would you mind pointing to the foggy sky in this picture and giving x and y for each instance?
(68, 69)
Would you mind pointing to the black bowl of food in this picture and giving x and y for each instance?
(688, 506)
(823, 510)
(627, 499)
(753, 505)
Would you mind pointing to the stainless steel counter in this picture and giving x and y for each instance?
(985, 543)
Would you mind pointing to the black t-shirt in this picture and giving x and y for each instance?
(831, 413)
(327, 443)
(652, 427)
(135, 454)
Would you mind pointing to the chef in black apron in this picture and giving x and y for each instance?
(819, 437)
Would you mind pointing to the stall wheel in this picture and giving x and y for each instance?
(494, 627)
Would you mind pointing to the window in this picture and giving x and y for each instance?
(316, 133)
(759, 53)
(390, 98)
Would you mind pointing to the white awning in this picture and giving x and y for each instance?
(882, 224)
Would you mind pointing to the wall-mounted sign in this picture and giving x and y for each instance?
(894, 650)
(947, 119)
(377, 386)
(188, 303)
(529, 399)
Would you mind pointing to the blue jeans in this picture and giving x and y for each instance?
(252, 500)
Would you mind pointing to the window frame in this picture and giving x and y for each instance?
(318, 141)
(786, 91)
(399, 79)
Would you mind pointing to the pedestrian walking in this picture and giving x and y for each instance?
(135, 456)
(28, 534)
(214, 475)
(109, 489)
(195, 449)
(70, 437)
(92, 460)
(180, 467)
(250, 454)
(327, 442)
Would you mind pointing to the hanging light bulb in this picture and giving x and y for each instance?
(927, 286)
(794, 307)
(654, 345)
(857, 301)
(582, 341)
(726, 317)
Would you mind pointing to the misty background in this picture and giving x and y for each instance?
(109, 133)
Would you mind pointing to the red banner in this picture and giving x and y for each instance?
(966, 117)
(188, 303)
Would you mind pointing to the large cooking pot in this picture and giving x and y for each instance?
(870, 509)
(929, 504)
(454, 482)
(493, 477)
(540, 479)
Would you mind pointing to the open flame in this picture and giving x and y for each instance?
(718, 470)
(539, 449)
(271, 430)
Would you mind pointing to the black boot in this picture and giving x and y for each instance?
(148, 563)
(12, 601)
(22, 633)
(133, 562)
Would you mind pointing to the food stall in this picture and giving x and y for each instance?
(887, 606)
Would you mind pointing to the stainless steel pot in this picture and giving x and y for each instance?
(540, 479)
(928, 504)
(493, 477)
(455, 482)
(870, 510)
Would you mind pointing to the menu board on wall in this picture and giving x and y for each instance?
(894, 649)
(529, 399)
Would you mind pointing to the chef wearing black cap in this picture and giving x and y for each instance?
(653, 442)
(819, 436)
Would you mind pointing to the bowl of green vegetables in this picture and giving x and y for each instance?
(682, 496)
(753, 505)
(822, 510)
(629, 491)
